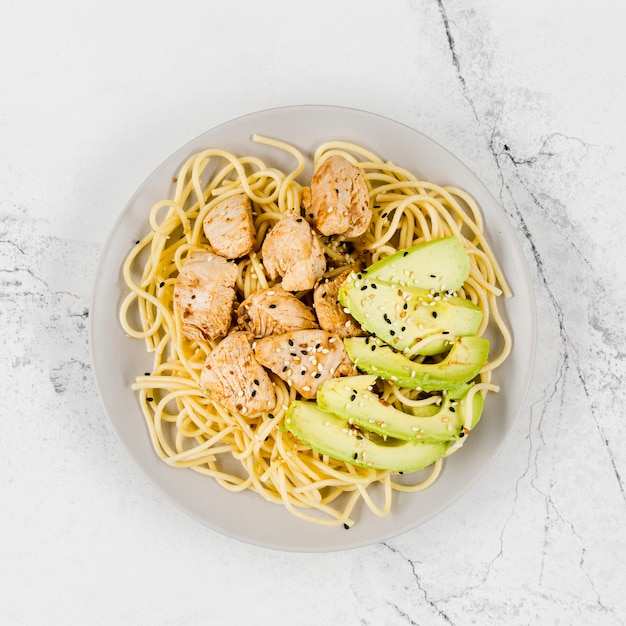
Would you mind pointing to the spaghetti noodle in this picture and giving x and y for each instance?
(186, 428)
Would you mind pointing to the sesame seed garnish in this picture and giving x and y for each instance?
(272, 306)
(306, 388)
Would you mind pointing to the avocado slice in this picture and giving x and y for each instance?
(350, 397)
(330, 434)
(404, 316)
(440, 264)
(460, 365)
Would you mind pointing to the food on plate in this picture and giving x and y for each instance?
(273, 312)
(324, 342)
(339, 198)
(204, 294)
(333, 315)
(354, 398)
(328, 432)
(229, 227)
(304, 358)
(293, 251)
(234, 378)
(462, 363)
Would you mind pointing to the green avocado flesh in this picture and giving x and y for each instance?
(405, 316)
(460, 365)
(441, 264)
(351, 398)
(330, 434)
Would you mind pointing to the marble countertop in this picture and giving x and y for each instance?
(528, 94)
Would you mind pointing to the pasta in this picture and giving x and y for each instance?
(186, 428)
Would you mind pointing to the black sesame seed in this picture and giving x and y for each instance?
(364, 288)
(452, 409)
(445, 332)
(405, 253)
(149, 399)
(355, 455)
(193, 296)
(346, 526)
(146, 373)
(324, 295)
(403, 329)
(434, 313)
(311, 216)
(270, 415)
(405, 306)
(359, 276)
(253, 393)
(316, 375)
(299, 219)
(373, 348)
(272, 306)
(256, 381)
(433, 276)
(461, 434)
(285, 368)
(291, 342)
(374, 286)
(352, 398)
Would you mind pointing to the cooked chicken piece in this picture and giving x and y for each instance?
(229, 227)
(330, 313)
(339, 199)
(233, 377)
(204, 295)
(293, 251)
(274, 311)
(304, 358)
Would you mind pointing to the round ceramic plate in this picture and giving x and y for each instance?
(118, 359)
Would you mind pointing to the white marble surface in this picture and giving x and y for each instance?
(530, 94)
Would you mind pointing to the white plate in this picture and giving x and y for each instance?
(118, 359)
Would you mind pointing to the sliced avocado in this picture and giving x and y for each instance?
(460, 365)
(351, 398)
(404, 316)
(441, 264)
(330, 434)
